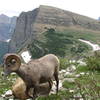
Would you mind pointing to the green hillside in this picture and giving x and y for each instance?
(64, 43)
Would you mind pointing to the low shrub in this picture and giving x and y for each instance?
(64, 63)
(93, 62)
(89, 86)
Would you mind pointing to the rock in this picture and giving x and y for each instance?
(7, 96)
(72, 61)
(53, 90)
(68, 74)
(62, 74)
(13, 73)
(3, 95)
(82, 73)
(69, 79)
(8, 93)
(1, 98)
(78, 96)
(81, 62)
(7, 25)
(72, 91)
(72, 68)
(62, 71)
(77, 75)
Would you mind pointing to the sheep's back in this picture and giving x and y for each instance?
(43, 68)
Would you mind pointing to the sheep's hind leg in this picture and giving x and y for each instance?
(35, 94)
(27, 92)
(50, 83)
(57, 82)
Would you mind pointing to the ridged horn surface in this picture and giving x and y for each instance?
(9, 57)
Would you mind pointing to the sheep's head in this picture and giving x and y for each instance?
(12, 63)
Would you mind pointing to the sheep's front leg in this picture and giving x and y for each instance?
(35, 94)
(57, 81)
(50, 83)
(27, 92)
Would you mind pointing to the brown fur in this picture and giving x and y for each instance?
(19, 87)
(38, 71)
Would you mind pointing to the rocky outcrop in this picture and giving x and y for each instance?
(31, 24)
(7, 25)
(24, 29)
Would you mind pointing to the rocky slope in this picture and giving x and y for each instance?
(31, 24)
(7, 25)
(3, 49)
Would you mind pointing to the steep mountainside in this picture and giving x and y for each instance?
(7, 25)
(3, 49)
(31, 24)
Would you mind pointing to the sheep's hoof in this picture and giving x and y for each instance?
(34, 97)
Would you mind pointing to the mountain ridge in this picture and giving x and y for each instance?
(33, 23)
(7, 25)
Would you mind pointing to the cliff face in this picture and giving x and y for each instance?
(31, 24)
(3, 49)
(23, 30)
(7, 25)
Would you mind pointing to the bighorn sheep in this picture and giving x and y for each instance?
(19, 87)
(35, 72)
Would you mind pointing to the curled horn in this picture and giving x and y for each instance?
(12, 57)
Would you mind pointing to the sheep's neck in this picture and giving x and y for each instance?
(21, 73)
(26, 78)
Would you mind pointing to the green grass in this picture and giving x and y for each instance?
(82, 69)
(68, 85)
(6, 84)
(87, 35)
(62, 95)
(89, 86)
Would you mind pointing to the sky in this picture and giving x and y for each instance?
(90, 8)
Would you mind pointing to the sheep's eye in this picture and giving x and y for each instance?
(13, 61)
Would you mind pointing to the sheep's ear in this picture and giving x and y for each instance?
(14, 59)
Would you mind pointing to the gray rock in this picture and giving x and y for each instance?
(7, 25)
(72, 68)
(69, 79)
